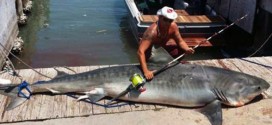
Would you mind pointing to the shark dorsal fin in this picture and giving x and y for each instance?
(159, 56)
(62, 73)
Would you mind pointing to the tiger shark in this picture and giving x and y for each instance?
(181, 85)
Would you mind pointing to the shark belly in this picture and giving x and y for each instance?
(177, 94)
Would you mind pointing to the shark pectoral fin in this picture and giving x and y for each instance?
(82, 97)
(213, 111)
(93, 98)
(53, 91)
(96, 97)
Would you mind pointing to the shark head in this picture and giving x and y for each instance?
(244, 88)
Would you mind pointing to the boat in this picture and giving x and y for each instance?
(195, 22)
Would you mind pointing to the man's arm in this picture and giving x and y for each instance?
(180, 42)
(145, 43)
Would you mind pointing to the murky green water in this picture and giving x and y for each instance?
(82, 32)
(76, 33)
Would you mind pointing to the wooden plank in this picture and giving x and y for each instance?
(60, 106)
(227, 63)
(206, 63)
(29, 108)
(259, 65)
(7, 116)
(85, 108)
(181, 19)
(72, 107)
(251, 66)
(19, 113)
(125, 108)
(266, 61)
(47, 107)
(34, 107)
(3, 112)
(248, 67)
(193, 41)
(159, 107)
(2, 106)
(136, 107)
(149, 107)
(181, 12)
(149, 18)
(202, 19)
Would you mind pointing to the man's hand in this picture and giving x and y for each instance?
(148, 74)
(190, 51)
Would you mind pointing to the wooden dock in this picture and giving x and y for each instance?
(41, 107)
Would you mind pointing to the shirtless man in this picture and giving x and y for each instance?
(164, 31)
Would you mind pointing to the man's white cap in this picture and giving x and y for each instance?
(167, 12)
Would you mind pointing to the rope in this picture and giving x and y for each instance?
(266, 66)
(22, 62)
(10, 64)
(261, 46)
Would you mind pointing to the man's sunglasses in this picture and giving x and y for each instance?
(167, 20)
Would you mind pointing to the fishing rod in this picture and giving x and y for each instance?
(215, 34)
(138, 81)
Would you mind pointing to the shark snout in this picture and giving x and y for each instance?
(264, 85)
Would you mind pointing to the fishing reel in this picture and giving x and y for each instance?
(137, 82)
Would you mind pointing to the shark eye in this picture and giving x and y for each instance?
(259, 88)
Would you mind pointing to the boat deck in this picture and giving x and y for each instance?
(189, 20)
(41, 107)
(193, 41)
(201, 23)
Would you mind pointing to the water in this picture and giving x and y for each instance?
(83, 32)
(77, 33)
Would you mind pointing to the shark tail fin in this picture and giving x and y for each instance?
(11, 91)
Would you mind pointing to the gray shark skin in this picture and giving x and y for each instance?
(182, 85)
